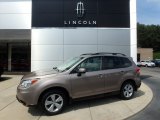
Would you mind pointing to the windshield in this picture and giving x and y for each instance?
(69, 63)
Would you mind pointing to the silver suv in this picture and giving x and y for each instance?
(86, 75)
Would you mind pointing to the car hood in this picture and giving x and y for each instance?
(40, 74)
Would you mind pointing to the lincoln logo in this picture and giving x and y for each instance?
(80, 13)
(80, 9)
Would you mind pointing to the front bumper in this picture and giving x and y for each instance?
(26, 97)
(21, 101)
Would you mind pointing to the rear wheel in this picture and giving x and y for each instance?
(53, 102)
(127, 90)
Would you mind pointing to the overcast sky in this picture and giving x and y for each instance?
(148, 11)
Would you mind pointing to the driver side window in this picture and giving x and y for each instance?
(91, 64)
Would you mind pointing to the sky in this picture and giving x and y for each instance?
(148, 11)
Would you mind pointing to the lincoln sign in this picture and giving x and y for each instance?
(79, 22)
(81, 13)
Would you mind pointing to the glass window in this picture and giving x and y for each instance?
(111, 62)
(108, 63)
(126, 62)
(91, 64)
(118, 62)
(69, 63)
(21, 54)
(121, 62)
(3, 56)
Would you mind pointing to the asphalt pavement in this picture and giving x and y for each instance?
(151, 77)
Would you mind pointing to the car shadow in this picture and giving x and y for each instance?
(5, 78)
(139, 93)
(35, 111)
(82, 104)
(76, 105)
(145, 76)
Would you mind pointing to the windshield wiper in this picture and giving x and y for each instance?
(55, 68)
(66, 69)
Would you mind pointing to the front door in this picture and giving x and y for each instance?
(89, 83)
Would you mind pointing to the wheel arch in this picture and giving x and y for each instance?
(129, 80)
(52, 89)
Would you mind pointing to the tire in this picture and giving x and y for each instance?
(146, 65)
(53, 102)
(127, 90)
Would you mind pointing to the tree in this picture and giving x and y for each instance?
(148, 36)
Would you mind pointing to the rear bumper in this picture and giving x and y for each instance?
(139, 85)
(137, 82)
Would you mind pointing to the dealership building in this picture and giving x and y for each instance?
(40, 34)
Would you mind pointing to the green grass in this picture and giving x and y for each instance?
(156, 55)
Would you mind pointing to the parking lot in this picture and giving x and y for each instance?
(105, 108)
(151, 69)
(151, 77)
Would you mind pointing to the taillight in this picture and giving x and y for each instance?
(137, 70)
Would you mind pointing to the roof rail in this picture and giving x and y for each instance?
(87, 54)
(100, 53)
(111, 53)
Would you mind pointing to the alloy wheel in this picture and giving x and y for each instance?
(54, 103)
(128, 90)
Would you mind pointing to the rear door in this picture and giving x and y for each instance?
(112, 75)
(115, 68)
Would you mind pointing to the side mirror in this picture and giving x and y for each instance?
(81, 71)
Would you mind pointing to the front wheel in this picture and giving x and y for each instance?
(127, 91)
(53, 102)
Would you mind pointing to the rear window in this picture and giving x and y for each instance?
(113, 62)
(126, 62)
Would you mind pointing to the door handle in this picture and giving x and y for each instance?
(122, 72)
(100, 75)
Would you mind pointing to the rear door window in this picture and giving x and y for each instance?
(108, 63)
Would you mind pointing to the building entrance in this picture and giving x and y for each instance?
(15, 57)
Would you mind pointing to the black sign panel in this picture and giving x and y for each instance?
(80, 13)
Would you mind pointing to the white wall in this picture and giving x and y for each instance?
(133, 31)
(51, 47)
(15, 14)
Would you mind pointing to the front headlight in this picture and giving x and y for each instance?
(27, 83)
